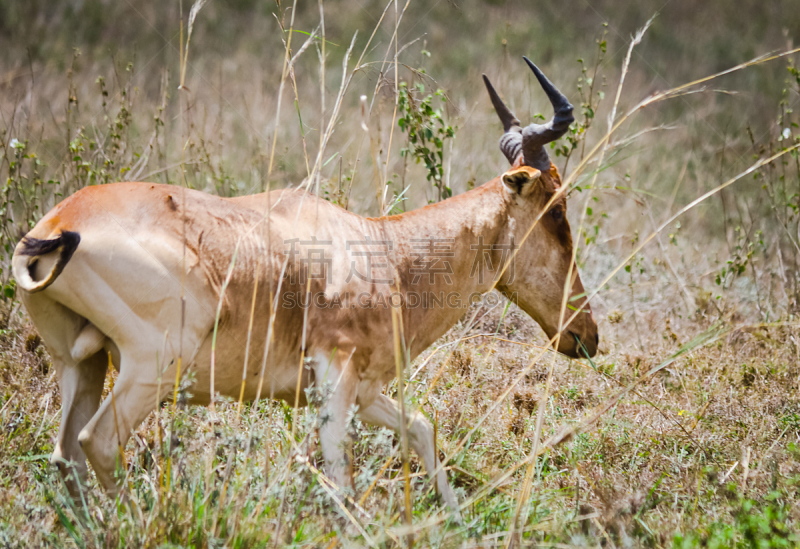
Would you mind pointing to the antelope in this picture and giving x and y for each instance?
(146, 276)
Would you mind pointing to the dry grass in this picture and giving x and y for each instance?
(703, 452)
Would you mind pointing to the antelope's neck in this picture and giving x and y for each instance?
(445, 255)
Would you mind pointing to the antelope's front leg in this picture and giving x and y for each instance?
(335, 376)
(385, 412)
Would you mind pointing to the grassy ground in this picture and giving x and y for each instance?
(702, 452)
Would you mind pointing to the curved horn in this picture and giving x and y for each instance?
(536, 136)
(506, 116)
(511, 142)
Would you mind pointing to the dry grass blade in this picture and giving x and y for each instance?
(284, 73)
(220, 302)
(196, 7)
(246, 361)
(399, 360)
(334, 115)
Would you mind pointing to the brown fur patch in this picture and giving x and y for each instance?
(171, 203)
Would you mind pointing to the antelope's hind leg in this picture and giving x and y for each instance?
(80, 378)
(81, 388)
(133, 397)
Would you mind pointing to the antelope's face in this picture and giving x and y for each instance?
(543, 267)
(543, 270)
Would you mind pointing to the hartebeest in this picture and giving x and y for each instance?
(103, 274)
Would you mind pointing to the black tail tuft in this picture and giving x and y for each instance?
(67, 241)
(24, 269)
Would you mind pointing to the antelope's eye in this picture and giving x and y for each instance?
(557, 214)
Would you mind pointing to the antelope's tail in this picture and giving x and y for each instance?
(28, 252)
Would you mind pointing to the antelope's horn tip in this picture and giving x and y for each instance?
(536, 70)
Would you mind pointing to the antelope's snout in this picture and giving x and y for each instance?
(580, 339)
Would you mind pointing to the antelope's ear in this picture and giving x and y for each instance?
(521, 180)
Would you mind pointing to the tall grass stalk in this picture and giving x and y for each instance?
(399, 361)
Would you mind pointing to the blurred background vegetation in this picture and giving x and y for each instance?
(688, 38)
(237, 50)
(90, 88)
(237, 54)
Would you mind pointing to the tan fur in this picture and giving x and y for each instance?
(143, 246)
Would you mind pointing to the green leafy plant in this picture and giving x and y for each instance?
(427, 130)
(755, 524)
(590, 101)
(740, 258)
